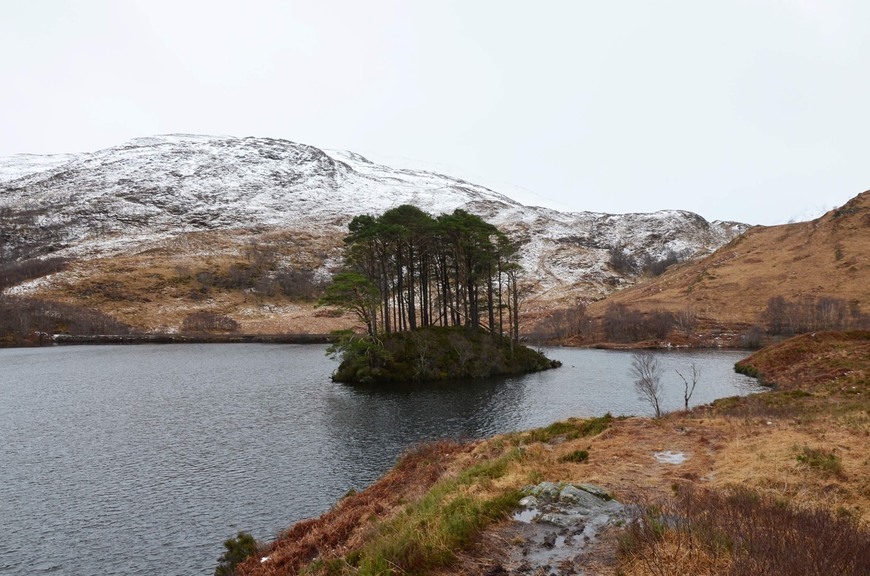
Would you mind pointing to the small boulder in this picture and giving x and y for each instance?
(529, 502)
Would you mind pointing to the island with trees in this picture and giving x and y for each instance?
(439, 298)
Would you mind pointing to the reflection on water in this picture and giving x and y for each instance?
(143, 459)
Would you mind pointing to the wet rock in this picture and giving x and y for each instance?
(558, 523)
(570, 494)
(545, 490)
(561, 520)
(549, 541)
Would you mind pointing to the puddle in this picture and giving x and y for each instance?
(526, 516)
(670, 457)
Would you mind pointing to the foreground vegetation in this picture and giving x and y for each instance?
(424, 514)
(796, 457)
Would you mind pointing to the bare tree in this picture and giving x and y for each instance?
(686, 320)
(566, 322)
(648, 379)
(689, 389)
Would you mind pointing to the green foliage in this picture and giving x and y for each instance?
(364, 360)
(352, 292)
(238, 549)
(406, 269)
(428, 534)
(577, 456)
(570, 429)
(429, 354)
(822, 460)
(742, 367)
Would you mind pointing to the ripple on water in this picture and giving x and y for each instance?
(142, 460)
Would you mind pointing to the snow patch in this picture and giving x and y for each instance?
(670, 457)
(150, 190)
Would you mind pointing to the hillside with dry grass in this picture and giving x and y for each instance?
(157, 287)
(825, 258)
(156, 229)
(783, 475)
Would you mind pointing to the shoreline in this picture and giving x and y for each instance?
(787, 449)
(45, 340)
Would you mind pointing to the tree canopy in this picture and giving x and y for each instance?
(406, 269)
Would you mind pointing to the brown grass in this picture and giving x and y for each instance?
(797, 457)
(738, 531)
(347, 525)
(149, 286)
(724, 452)
(827, 361)
(154, 287)
(829, 256)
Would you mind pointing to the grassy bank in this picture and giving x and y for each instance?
(795, 457)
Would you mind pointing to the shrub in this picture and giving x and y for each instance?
(237, 550)
(825, 461)
(568, 322)
(301, 284)
(208, 322)
(570, 429)
(21, 318)
(810, 314)
(577, 456)
(621, 261)
(656, 267)
(13, 273)
(752, 338)
(622, 324)
(743, 532)
(658, 324)
(686, 320)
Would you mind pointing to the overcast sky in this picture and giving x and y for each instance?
(756, 110)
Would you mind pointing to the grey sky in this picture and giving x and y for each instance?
(738, 110)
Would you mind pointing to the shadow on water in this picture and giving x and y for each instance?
(368, 427)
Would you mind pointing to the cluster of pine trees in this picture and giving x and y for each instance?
(406, 269)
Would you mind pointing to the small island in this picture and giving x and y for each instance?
(432, 353)
(438, 297)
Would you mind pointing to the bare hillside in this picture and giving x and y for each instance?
(825, 258)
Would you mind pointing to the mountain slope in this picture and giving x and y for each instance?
(194, 202)
(826, 257)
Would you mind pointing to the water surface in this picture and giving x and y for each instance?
(135, 460)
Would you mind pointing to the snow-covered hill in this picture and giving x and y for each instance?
(149, 190)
